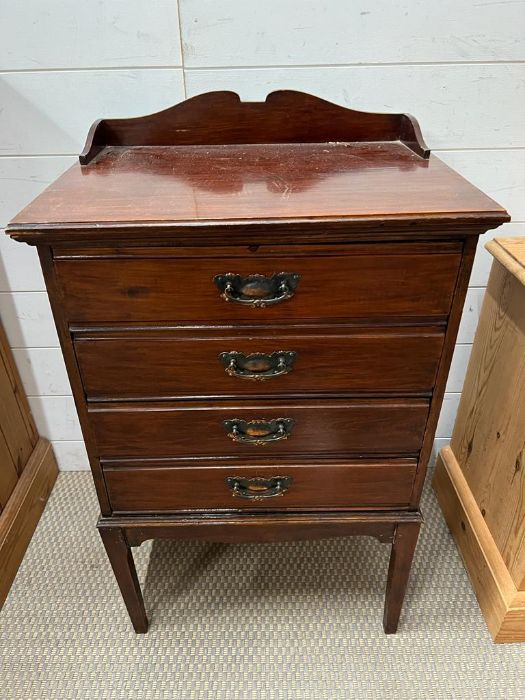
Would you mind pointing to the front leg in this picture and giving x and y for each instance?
(121, 559)
(403, 547)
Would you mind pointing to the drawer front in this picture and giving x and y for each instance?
(353, 281)
(173, 364)
(277, 427)
(354, 485)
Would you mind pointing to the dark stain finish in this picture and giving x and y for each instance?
(218, 118)
(362, 282)
(321, 247)
(161, 487)
(320, 428)
(184, 363)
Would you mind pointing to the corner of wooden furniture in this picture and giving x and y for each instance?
(503, 605)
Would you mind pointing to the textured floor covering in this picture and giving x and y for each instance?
(237, 622)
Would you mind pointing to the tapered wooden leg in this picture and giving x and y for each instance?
(403, 547)
(121, 559)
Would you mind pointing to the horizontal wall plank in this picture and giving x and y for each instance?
(24, 178)
(42, 371)
(36, 121)
(27, 319)
(56, 417)
(458, 106)
(458, 368)
(282, 32)
(72, 34)
(501, 174)
(439, 443)
(51, 112)
(483, 259)
(470, 317)
(71, 455)
(19, 267)
(447, 416)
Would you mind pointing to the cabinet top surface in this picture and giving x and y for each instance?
(510, 252)
(293, 157)
(247, 182)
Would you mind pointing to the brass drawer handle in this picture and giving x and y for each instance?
(259, 432)
(257, 290)
(258, 488)
(258, 365)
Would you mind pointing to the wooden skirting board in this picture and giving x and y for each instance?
(503, 605)
(22, 512)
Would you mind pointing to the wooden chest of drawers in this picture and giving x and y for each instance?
(257, 305)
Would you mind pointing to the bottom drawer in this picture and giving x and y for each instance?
(361, 484)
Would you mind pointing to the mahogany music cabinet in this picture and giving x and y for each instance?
(257, 305)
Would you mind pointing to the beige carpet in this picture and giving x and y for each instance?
(236, 622)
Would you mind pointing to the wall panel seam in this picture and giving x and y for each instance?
(267, 66)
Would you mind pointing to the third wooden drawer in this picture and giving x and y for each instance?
(272, 428)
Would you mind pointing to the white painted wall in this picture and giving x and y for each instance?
(458, 65)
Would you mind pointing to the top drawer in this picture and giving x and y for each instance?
(326, 282)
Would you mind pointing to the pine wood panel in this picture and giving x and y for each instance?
(19, 518)
(502, 604)
(511, 254)
(16, 422)
(489, 435)
(8, 472)
(27, 470)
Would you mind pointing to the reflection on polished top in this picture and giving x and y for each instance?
(187, 183)
(292, 157)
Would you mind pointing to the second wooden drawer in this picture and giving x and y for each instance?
(162, 364)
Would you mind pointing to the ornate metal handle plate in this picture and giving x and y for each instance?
(257, 290)
(258, 487)
(258, 365)
(259, 432)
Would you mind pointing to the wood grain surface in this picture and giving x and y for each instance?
(22, 511)
(161, 487)
(489, 434)
(163, 364)
(197, 429)
(255, 182)
(218, 118)
(369, 282)
(502, 604)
